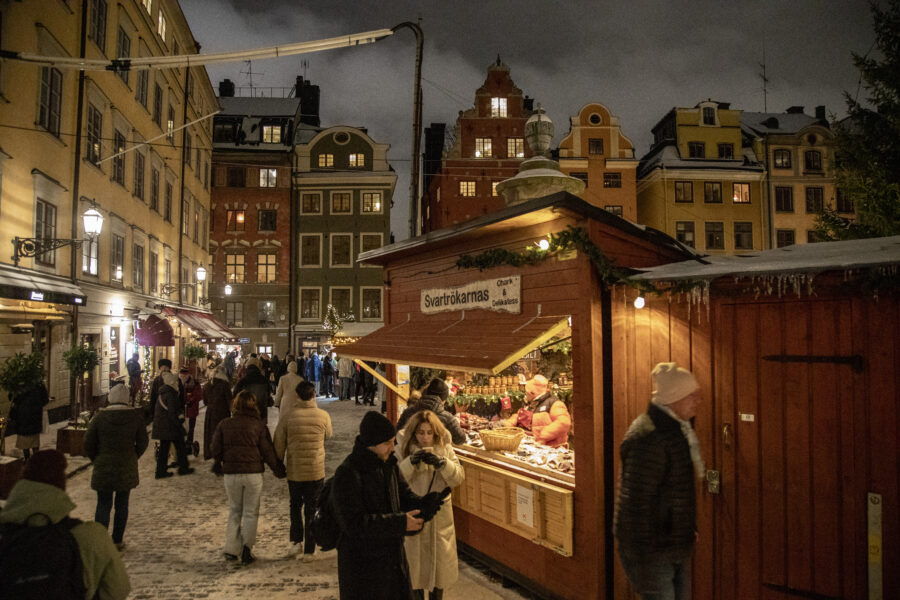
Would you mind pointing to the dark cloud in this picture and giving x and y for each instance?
(639, 58)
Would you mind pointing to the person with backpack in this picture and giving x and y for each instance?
(115, 440)
(44, 553)
(241, 447)
(301, 434)
(375, 510)
(427, 462)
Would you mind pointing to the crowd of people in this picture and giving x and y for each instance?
(390, 496)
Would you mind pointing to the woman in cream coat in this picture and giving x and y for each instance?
(286, 395)
(429, 464)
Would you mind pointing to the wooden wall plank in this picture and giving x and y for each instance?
(725, 348)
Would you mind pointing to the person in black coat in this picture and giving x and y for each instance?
(375, 510)
(27, 411)
(434, 398)
(168, 426)
(257, 384)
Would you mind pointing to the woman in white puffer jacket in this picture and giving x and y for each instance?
(286, 394)
(429, 464)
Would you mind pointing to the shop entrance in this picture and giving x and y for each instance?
(785, 453)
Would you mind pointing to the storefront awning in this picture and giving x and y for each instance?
(205, 326)
(24, 284)
(154, 331)
(479, 345)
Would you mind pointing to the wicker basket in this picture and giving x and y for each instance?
(501, 439)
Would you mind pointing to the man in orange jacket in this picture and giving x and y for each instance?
(545, 415)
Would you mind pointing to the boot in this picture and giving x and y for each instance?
(436, 594)
(419, 594)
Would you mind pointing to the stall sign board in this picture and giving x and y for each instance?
(244, 341)
(525, 505)
(501, 295)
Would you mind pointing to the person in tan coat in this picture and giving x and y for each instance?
(301, 435)
(286, 393)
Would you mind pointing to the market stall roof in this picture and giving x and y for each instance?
(206, 327)
(451, 341)
(24, 284)
(790, 260)
(154, 331)
(524, 214)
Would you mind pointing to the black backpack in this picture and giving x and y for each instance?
(40, 561)
(324, 526)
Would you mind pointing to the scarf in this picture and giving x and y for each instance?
(691, 436)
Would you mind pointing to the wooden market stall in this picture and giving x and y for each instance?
(544, 527)
(797, 351)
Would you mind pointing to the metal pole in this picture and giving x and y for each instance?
(417, 130)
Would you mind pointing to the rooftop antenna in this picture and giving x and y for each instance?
(765, 80)
(249, 74)
(304, 64)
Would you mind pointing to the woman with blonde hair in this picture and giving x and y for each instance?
(429, 464)
(241, 447)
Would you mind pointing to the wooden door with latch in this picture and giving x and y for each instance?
(783, 466)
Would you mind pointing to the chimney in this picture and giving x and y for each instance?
(226, 89)
(820, 113)
(434, 149)
(309, 101)
(528, 103)
(795, 110)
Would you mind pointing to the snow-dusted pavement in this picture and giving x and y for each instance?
(176, 530)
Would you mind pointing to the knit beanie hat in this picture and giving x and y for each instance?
(164, 362)
(671, 383)
(375, 429)
(438, 387)
(119, 394)
(47, 466)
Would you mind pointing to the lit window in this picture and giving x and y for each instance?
(161, 26)
(234, 268)
(371, 202)
(494, 188)
(783, 161)
(267, 177)
(615, 209)
(498, 107)
(357, 160)
(741, 193)
(326, 161)
(467, 188)
(265, 268)
(148, 5)
(90, 250)
(311, 204)
(515, 147)
(271, 134)
(483, 148)
(234, 220)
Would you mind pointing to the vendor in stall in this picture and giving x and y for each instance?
(545, 415)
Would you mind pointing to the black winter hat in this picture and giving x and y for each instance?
(375, 429)
(438, 387)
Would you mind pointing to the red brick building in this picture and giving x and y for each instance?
(486, 146)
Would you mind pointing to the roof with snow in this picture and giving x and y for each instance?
(801, 258)
(258, 106)
(668, 156)
(774, 123)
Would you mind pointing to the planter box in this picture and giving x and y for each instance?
(10, 473)
(70, 441)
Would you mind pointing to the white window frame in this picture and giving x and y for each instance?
(518, 147)
(331, 290)
(304, 193)
(269, 135)
(362, 291)
(356, 160)
(268, 178)
(300, 242)
(331, 195)
(331, 238)
(483, 147)
(498, 108)
(300, 316)
(362, 196)
(380, 244)
(161, 26)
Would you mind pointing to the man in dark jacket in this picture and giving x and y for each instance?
(163, 365)
(134, 376)
(314, 371)
(655, 510)
(257, 384)
(168, 427)
(434, 398)
(375, 509)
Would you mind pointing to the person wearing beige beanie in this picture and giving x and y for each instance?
(655, 512)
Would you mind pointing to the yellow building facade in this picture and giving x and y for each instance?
(596, 151)
(114, 141)
(798, 150)
(701, 184)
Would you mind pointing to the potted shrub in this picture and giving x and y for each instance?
(79, 360)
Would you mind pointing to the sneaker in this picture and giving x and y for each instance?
(164, 475)
(246, 557)
(187, 471)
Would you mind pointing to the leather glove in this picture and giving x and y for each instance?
(431, 503)
(434, 460)
(418, 457)
(217, 468)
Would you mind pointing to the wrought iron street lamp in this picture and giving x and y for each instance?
(31, 247)
(170, 288)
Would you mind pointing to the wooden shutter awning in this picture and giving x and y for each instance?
(476, 341)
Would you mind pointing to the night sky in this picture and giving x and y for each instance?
(638, 58)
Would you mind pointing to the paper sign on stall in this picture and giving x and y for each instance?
(525, 505)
